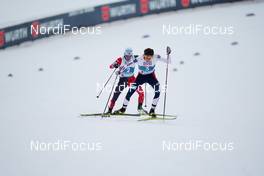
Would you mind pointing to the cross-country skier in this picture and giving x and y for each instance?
(146, 65)
(126, 78)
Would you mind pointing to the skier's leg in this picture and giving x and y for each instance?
(156, 86)
(122, 84)
(129, 94)
(133, 87)
(155, 101)
(140, 92)
(140, 109)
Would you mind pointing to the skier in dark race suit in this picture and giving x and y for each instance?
(146, 65)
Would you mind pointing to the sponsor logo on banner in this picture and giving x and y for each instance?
(105, 10)
(161, 4)
(185, 3)
(80, 12)
(123, 10)
(118, 11)
(35, 25)
(200, 1)
(15, 35)
(144, 6)
(2, 38)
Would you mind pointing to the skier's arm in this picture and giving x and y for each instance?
(121, 69)
(116, 64)
(168, 59)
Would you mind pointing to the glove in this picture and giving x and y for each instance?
(168, 50)
(115, 65)
(117, 72)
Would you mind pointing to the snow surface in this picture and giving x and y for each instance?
(218, 96)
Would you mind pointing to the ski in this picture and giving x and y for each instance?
(95, 114)
(157, 118)
(167, 115)
(107, 115)
(146, 117)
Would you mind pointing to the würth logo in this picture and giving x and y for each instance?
(185, 3)
(35, 25)
(144, 6)
(105, 10)
(2, 38)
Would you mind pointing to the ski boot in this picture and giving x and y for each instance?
(140, 109)
(120, 111)
(152, 113)
(108, 113)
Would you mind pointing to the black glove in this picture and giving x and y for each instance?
(115, 65)
(168, 50)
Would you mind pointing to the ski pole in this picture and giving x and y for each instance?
(145, 95)
(166, 84)
(106, 83)
(110, 95)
